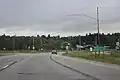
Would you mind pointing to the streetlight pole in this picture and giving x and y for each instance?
(80, 42)
(97, 22)
(98, 26)
(33, 44)
(13, 43)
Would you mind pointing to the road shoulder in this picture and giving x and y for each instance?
(96, 69)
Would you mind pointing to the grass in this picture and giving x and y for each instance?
(17, 51)
(87, 55)
(24, 51)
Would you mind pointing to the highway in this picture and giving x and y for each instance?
(42, 67)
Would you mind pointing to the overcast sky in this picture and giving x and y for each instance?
(32, 17)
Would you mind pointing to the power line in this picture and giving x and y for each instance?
(81, 15)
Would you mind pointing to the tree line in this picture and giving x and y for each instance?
(50, 42)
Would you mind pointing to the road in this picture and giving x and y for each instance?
(38, 67)
(4, 60)
(99, 70)
(41, 67)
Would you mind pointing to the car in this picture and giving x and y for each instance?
(54, 52)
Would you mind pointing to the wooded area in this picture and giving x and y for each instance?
(50, 42)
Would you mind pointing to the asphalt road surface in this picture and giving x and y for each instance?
(41, 67)
(38, 67)
(99, 70)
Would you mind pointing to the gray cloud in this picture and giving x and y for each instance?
(49, 15)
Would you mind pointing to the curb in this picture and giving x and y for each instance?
(73, 69)
(6, 66)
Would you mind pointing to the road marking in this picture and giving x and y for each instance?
(6, 66)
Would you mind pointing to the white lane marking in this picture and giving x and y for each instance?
(6, 66)
(95, 63)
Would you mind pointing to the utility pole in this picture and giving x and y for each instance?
(13, 43)
(41, 41)
(33, 44)
(98, 26)
(97, 22)
(80, 41)
(40, 46)
(95, 40)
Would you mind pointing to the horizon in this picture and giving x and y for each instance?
(57, 35)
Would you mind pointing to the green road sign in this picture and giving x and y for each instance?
(98, 48)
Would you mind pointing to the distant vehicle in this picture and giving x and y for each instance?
(54, 52)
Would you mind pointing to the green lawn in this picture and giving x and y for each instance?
(87, 55)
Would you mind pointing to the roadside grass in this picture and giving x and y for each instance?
(87, 55)
(16, 51)
(26, 51)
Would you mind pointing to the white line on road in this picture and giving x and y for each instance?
(6, 66)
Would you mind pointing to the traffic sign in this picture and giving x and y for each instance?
(99, 48)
